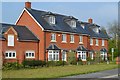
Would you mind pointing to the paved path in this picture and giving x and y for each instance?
(102, 74)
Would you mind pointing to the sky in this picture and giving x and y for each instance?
(102, 13)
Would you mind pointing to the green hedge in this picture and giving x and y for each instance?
(13, 65)
(33, 63)
(56, 63)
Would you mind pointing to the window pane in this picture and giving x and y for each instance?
(10, 40)
(53, 36)
(56, 56)
(50, 57)
(6, 54)
(81, 39)
(63, 37)
(13, 54)
(10, 54)
(72, 38)
(50, 51)
(53, 56)
(32, 54)
(26, 54)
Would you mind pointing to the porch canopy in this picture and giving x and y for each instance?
(53, 47)
(81, 48)
(103, 50)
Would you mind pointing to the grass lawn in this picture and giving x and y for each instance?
(55, 72)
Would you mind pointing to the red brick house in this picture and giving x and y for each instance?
(61, 34)
(18, 43)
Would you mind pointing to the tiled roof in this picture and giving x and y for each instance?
(103, 50)
(61, 25)
(53, 47)
(24, 34)
(81, 48)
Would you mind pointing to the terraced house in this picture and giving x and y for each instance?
(53, 37)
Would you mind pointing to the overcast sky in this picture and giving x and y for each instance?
(102, 13)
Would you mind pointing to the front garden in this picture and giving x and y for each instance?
(51, 69)
(56, 71)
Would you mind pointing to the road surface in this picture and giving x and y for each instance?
(102, 74)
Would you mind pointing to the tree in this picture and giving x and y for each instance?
(113, 31)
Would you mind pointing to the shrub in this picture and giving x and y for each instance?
(73, 62)
(56, 63)
(33, 63)
(13, 65)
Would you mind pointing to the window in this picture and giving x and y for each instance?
(10, 54)
(81, 39)
(82, 26)
(64, 56)
(104, 55)
(91, 41)
(52, 20)
(53, 37)
(30, 54)
(63, 37)
(102, 42)
(96, 42)
(10, 40)
(53, 55)
(91, 55)
(71, 38)
(73, 23)
(96, 30)
(81, 55)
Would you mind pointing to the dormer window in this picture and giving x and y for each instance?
(96, 30)
(82, 26)
(51, 19)
(73, 23)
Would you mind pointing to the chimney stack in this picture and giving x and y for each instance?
(90, 20)
(28, 4)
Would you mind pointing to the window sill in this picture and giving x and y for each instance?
(53, 41)
(91, 44)
(80, 42)
(83, 60)
(71, 42)
(96, 45)
(30, 57)
(63, 42)
(11, 58)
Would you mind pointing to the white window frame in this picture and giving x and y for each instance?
(30, 52)
(52, 19)
(71, 38)
(83, 26)
(91, 55)
(8, 57)
(104, 54)
(73, 23)
(91, 41)
(64, 55)
(53, 37)
(53, 52)
(96, 30)
(64, 38)
(80, 39)
(10, 40)
(103, 42)
(97, 42)
(82, 54)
